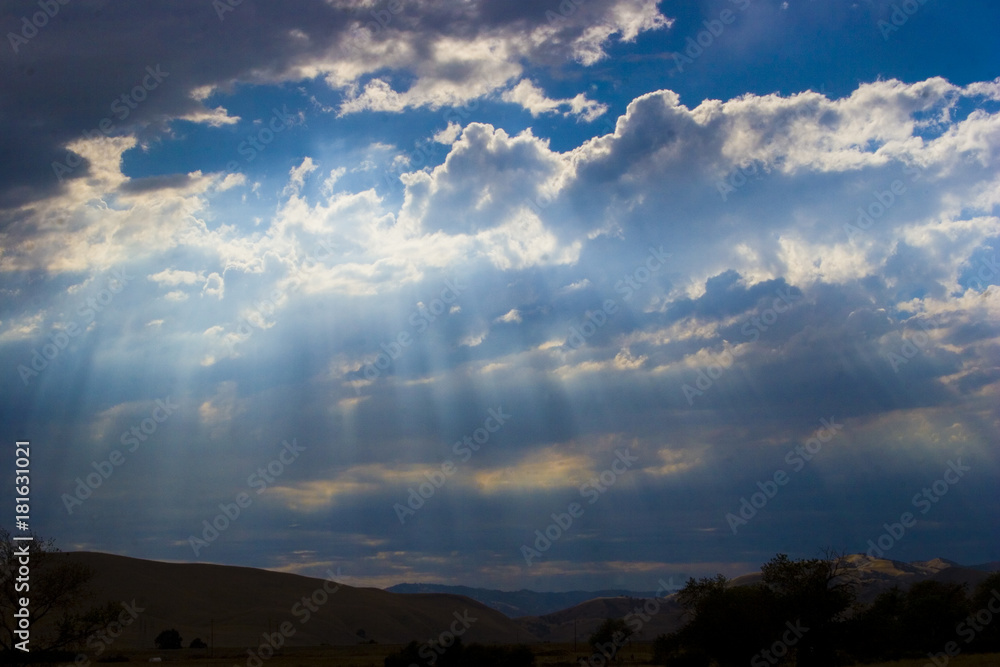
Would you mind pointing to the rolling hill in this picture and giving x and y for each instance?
(518, 603)
(242, 604)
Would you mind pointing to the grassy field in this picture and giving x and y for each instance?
(372, 655)
(985, 660)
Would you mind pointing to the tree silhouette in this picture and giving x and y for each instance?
(730, 625)
(457, 655)
(62, 614)
(168, 640)
(931, 612)
(609, 637)
(819, 593)
(985, 636)
(876, 632)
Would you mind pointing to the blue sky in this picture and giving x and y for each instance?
(420, 279)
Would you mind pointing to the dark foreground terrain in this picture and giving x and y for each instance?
(373, 655)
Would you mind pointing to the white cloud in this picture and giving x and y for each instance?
(534, 100)
(453, 69)
(448, 135)
(512, 315)
(331, 180)
(297, 175)
(174, 277)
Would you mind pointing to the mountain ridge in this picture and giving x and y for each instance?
(523, 602)
(241, 605)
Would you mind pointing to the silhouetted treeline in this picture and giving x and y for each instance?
(458, 655)
(806, 613)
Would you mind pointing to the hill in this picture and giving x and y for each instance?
(243, 603)
(872, 576)
(647, 617)
(517, 603)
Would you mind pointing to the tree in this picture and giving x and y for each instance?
(697, 591)
(497, 656)
(984, 636)
(406, 656)
(610, 637)
(818, 592)
(457, 655)
(798, 607)
(931, 612)
(669, 650)
(62, 615)
(875, 632)
(168, 640)
(197, 643)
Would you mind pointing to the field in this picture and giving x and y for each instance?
(372, 655)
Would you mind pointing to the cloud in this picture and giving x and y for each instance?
(297, 176)
(533, 99)
(452, 55)
(512, 315)
(174, 277)
(771, 307)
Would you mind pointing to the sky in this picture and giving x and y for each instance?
(540, 295)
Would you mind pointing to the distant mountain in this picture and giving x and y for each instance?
(872, 575)
(878, 574)
(987, 567)
(240, 604)
(517, 603)
(648, 618)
